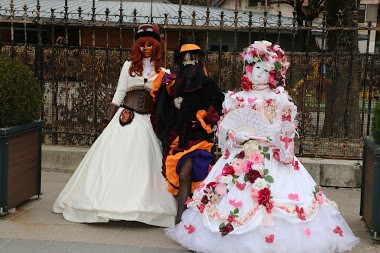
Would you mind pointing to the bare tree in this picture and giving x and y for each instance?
(342, 118)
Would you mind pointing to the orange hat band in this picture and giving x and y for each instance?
(189, 47)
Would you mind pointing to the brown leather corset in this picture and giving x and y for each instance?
(139, 100)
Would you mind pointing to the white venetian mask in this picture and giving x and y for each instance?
(260, 72)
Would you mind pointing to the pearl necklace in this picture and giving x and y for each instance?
(258, 88)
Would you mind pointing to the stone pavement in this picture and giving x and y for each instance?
(34, 228)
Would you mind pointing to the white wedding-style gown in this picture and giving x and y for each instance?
(120, 176)
(258, 197)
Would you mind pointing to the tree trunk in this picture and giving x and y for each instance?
(342, 114)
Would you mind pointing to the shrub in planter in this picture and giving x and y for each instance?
(20, 94)
(20, 134)
(370, 189)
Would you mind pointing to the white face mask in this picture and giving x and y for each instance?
(187, 60)
(260, 73)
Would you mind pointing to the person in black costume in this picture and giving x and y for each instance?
(187, 112)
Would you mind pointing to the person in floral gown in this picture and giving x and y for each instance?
(258, 197)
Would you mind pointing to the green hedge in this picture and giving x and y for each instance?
(20, 93)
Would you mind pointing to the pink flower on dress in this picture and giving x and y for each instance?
(231, 218)
(338, 230)
(231, 135)
(247, 166)
(234, 203)
(251, 100)
(240, 99)
(190, 229)
(226, 154)
(319, 195)
(201, 208)
(239, 166)
(269, 101)
(255, 195)
(295, 164)
(221, 189)
(307, 231)
(300, 212)
(189, 200)
(292, 196)
(240, 186)
(256, 157)
(270, 238)
(276, 154)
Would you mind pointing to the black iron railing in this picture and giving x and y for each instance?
(77, 51)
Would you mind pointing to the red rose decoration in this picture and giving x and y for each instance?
(226, 229)
(228, 170)
(276, 154)
(204, 199)
(246, 84)
(231, 218)
(211, 185)
(264, 196)
(252, 175)
(241, 155)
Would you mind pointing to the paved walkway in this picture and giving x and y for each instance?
(34, 228)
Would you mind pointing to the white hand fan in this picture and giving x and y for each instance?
(245, 123)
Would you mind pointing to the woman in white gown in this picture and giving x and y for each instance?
(120, 176)
(258, 197)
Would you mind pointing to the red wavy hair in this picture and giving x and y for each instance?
(136, 56)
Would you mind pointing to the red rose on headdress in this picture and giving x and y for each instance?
(246, 84)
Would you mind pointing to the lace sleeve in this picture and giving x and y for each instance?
(284, 141)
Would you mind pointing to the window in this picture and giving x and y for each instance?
(361, 13)
(254, 3)
(217, 47)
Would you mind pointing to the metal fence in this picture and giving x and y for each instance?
(77, 53)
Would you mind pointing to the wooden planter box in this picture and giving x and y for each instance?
(20, 164)
(370, 190)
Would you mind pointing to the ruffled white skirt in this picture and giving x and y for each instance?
(120, 178)
(317, 227)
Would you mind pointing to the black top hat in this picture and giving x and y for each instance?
(148, 30)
